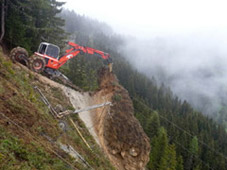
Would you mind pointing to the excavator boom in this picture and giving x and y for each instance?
(73, 52)
(77, 49)
(87, 50)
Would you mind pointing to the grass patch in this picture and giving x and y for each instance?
(117, 98)
(8, 65)
(15, 154)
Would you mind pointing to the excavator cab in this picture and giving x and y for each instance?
(48, 49)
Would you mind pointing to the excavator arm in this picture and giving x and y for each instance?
(76, 49)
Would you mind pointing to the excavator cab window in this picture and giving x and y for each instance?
(42, 48)
(49, 50)
(52, 51)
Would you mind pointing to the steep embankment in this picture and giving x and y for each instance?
(119, 132)
(114, 128)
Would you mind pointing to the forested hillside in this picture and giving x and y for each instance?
(180, 137)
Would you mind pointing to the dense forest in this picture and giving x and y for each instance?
(180, 137)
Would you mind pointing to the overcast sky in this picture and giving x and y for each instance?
(156, 17)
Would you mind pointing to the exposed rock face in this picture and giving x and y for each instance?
(120, 133)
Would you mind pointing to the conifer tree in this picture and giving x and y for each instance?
(168, 161)
(192, 155)
(179, 165)
(28, 22)
(159, 147)
(153, 125)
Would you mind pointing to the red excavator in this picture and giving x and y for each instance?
(47, 58)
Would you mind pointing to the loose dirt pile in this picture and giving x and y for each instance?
(119, 132)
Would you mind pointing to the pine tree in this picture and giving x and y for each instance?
(180, 162)
(159, 147)
(191, 162)
(168, 161)
(28, 22)
(153, 125)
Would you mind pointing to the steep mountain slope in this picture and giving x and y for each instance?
(30, 135)
(38, 141)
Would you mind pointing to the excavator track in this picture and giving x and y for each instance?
(61, 78)
(68, 83)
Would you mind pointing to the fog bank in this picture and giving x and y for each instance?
(194, 66)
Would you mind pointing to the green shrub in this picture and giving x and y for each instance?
(117, 98)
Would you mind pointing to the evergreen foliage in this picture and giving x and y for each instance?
(29, 22)
(179, 165)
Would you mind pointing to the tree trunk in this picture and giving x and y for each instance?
(2, 21)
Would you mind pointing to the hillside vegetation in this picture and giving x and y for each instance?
(30, 135)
